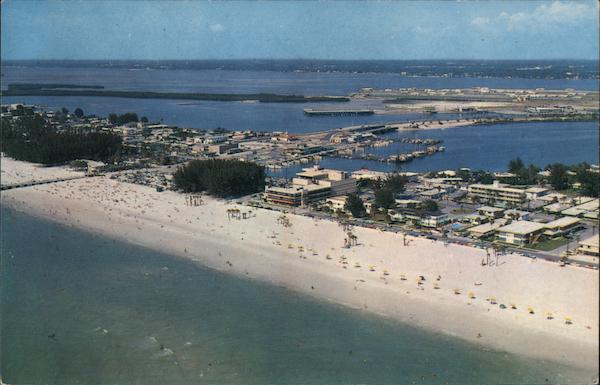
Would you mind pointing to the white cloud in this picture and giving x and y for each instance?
(481, 21)
(217, 27)
(543, 16)
(565, 12)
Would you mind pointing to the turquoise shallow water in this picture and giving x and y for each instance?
(78, 308)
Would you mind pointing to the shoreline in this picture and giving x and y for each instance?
(249, 248)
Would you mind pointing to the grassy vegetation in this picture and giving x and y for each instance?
(461, 211)
(550, 244)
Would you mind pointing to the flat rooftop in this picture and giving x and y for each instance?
(562, 222)
(490, 209)
(284, 190)
(487, 227)
(497, 188)
(535, 190)
(593, 241)
(522, 227)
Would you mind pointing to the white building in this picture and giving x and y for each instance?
(497, 192)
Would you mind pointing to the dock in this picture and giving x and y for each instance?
(338, 112)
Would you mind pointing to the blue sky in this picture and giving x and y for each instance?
(306, 29)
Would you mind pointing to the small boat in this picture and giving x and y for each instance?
(568, 321)
(493, 301)
(371, 268)
(530, 310)
(328, 256)
(385, 272)
(456, 291)
(402, 277)
(472, 295)
(357, 264)
(549, 316)
(436, 286)
(513, 306)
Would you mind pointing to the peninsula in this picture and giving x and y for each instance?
(75, 90)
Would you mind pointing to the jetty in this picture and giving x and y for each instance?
(34, 183)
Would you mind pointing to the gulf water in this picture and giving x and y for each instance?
(83, 309)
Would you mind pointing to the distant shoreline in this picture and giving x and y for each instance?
(456, 68)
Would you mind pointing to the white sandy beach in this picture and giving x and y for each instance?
(15, 172)
(260, 247)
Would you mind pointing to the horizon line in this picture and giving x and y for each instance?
(305, 59)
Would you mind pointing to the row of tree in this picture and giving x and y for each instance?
(125, 118)
(561, 176)
(222, 178)
(31, 139)
(78, 112)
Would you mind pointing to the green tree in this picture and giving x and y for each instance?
(123, 119)
(222, 178)
(384, 198)
(32, 139)
(590, 181)
(559, 179)
(144, 119)
(78, 112)
(395, 182)
(355, 206)
(515, 165)
(429, 206)
(65, 111)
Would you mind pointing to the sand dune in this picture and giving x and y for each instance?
(380, 274)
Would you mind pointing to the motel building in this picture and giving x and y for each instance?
(497, 192)
(520, 233)
(562, 226)
(337, 202)
(311, 185)
(589, 246)
(486, 230)
(491, 212)
(284, 196)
